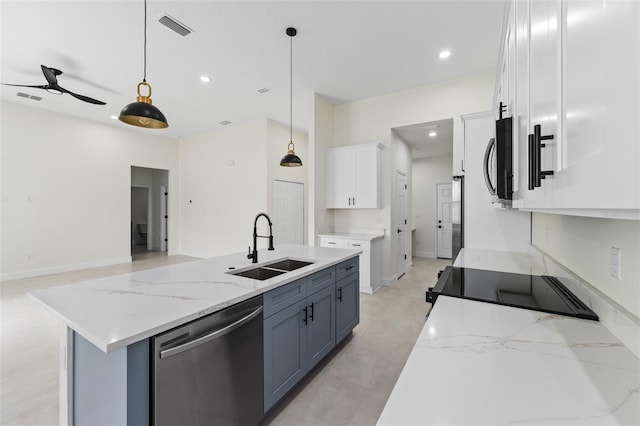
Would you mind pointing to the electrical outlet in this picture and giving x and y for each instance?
(616, 263)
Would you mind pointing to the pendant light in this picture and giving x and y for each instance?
(291, 159)
(142, 113)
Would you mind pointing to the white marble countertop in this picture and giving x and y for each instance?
(120, 310)
(478, 363)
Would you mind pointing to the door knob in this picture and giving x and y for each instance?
(439, 226)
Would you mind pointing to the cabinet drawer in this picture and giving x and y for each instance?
(281, 297)
(320, 280)
(359, 245)
(333, 242)
(347, 267)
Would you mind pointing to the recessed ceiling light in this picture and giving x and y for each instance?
(225, 122)
(263, 90)
(444, 54)
(205, 79)
(433, 134)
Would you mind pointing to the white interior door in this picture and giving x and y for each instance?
(288, 212)
(401, 222)
(444, 225)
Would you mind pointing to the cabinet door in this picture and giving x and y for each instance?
(285, 352)
(321, 326)
(339, 179)
(544, 93)
(347, 305)
(521, 113)
(366, 188)
(601, 65)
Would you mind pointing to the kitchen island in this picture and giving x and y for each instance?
(485, 364)
(112, 319)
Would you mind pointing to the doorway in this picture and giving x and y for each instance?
(288, 212)
(149, 224)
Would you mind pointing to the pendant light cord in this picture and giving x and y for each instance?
(144, 78)
(291, 89)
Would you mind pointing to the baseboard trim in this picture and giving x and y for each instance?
(63, 268)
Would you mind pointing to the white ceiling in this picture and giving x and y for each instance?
(423, 144)
(344, 50)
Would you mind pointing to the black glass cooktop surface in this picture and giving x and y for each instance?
(539, 293)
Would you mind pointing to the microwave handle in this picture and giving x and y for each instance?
(487, 156)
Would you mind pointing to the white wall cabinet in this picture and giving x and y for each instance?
(576, 72)
(354, 179)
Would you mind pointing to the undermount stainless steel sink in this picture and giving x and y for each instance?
(288, 264)
(270, 270)
(259, 273)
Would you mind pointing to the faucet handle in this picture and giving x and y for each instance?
(249, 256)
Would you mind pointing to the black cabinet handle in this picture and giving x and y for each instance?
(532, 163)
(305, 315)
(340, 294)
(350, 267)
(536, 174)
(311, 313)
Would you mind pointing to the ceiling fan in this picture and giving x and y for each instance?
(51, 74)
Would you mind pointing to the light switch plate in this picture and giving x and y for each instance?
(616, 263)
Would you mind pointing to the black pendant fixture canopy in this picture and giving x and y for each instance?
(142, 113)
(291, 159)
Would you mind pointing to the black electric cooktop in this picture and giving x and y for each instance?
(538, 293)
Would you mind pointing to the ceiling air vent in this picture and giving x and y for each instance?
(175, 25)
(28, 96)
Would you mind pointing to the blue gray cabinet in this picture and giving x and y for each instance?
(299, 330)
(347, 297)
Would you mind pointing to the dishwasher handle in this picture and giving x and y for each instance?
(208, 337)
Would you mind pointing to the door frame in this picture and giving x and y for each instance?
(273, 193)
(436, 224)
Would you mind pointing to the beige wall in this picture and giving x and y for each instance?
(583, 245)
(66, 189)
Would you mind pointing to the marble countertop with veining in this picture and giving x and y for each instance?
(478, 363)
(117, 311)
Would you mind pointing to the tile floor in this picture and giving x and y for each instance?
(350, 387)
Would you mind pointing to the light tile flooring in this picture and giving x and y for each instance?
(349, 388)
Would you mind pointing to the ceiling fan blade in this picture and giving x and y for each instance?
(49, 75)
(25, 85)
(83, 98)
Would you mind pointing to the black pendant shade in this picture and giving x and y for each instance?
(142, 113)
(291, 159)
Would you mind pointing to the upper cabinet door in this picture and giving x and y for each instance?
(600, 162)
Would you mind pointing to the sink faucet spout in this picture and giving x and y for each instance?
(253, 255)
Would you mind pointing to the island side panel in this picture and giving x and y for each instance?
(110, 388)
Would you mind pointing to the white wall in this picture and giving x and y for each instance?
(371, 120)
(321, 130)
(427, 172)
(66, 189)
(223, 185)
(583, 245)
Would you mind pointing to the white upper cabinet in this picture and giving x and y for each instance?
(354, 177)
(577, 106)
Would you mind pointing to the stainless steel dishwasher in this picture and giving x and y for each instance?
(211, 371)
